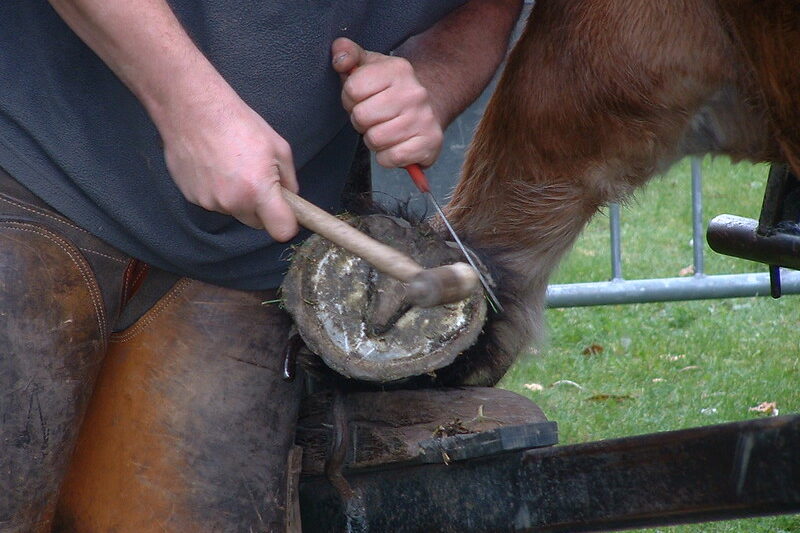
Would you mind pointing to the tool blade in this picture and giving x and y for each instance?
(486, 287)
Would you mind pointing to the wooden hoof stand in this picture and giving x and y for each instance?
(425, 426)
(402, 464)
(357, 320)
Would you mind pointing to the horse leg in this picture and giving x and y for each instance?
(597, 97)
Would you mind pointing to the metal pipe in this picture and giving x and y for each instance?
(668, 289)
(739, 237)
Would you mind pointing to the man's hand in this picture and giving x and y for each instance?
(388, 105)
(231, 161)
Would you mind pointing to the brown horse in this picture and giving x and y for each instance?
(597, 97)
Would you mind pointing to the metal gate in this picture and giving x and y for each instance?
(697, 287)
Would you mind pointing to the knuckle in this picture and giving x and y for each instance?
(225, 203)
(437, 136)
(347, 101)
(283, 144)
(235, 198)
(360, 114)
(248, 188)
(403, 65)
(350, 91)
(427, 158)
(205, 198)
(373, 138)
(418, 93)
(394, 157)
(205, 203)
(190, 196)
(356, 125)
(368, 141)
(283, 149)
(382, 159)
(396, 160)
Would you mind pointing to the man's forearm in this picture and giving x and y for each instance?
(148, 49)
(456, 58)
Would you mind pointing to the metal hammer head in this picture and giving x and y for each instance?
(442, 285)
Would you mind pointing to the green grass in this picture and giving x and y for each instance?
(672, 365)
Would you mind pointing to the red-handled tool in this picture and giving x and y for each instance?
(419, 179)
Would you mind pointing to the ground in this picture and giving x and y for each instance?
(615, 371)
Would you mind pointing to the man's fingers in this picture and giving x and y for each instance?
(387, 134)
(358, 85)
(272, 211)
(275, 214)
(414, 150)
(362, 85)
(261, 205)
(379, 75)
(388, 105)
(376, 110)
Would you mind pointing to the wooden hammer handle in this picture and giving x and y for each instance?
(384, 258)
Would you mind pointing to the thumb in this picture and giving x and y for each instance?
(347, 55)
(275, 213)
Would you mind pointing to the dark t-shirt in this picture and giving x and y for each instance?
(77, 137)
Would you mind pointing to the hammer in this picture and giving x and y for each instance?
(425, 287)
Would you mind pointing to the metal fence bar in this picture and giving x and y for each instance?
(616, 242)
(698, 228)
(668, 289)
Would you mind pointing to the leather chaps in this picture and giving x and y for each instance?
(179, 421)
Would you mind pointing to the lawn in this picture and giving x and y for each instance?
(667, 365)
